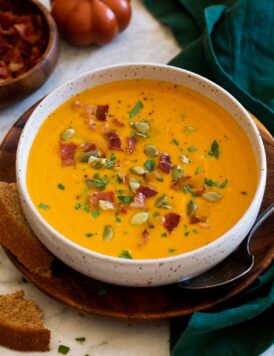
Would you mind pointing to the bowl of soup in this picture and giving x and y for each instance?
(141, 175)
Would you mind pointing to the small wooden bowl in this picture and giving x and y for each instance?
(15, 89)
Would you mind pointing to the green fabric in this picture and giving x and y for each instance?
(232, 43)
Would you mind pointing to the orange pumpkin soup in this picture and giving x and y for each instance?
(141, 169)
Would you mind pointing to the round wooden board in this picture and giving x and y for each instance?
(89, 295)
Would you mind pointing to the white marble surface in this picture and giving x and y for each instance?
(144, 41)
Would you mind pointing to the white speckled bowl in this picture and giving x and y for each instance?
(153, 272)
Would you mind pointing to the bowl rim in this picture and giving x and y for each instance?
(52, 33)
(262, 171)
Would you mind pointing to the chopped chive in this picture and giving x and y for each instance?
(125, 254)
(198, 170)
(102, 291)
(95, 213)
(214, 150)
(156, 213)
(150, 165)
(195, 231)
(118, 179)
(63, 349)
(117, 219)
(212, 183)
(192, 149)
(160, 179)
(111, 161)
(61, 186)
(171, 250)
(125, 199)
(43, 206)
(175, 142)
(136, 109)
(77, 206)
(80, 339)
(89, 234)
(164, 234)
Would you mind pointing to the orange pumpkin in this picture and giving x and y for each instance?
(85, 22)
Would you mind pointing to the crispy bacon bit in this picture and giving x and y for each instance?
(67, 152)
(195, 220)
(171, 221)
(131, 144)
(95, 197)
(101, 112)
(145, 238)
(122, 209)
(199, 192)
(148, 192)
(86, 147)
(114, 141)
(165, 163)
(118, 123)
(22, 40)
(138, 201)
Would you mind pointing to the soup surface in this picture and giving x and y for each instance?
(141, 169)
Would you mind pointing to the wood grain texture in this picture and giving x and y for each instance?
(89, 295)
(18, 88)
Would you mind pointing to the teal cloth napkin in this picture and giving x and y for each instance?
(232, 43)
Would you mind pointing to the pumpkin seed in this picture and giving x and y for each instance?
(133, 185)
(66, 135)
(141, 126)
(140, 171)
(185, 159)
(139, 218)
(98, 163)
(162, 202)
(105, 205)
(177, 172)
(191, 208)
(151, 150)
(85, 156)
(212, 196)
(108, 233)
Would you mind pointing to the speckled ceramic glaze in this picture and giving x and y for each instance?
(152, 272)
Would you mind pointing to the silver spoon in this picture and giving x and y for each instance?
(234, 267)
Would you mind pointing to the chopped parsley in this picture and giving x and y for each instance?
(125, 199)
(192, 149)
(43, 206)
(98, 182)
(77, 206)
(117, 219)
(214, 150)
(61, 186)
(171, 250)
(212, 183)
(95, 213)
(150, 165)
(111, 161)
(136, 109)
(89, 234)
(63, 349)
(125, 254)
(175, 142)
(80, 339)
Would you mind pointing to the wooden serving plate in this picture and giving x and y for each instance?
(92, 296)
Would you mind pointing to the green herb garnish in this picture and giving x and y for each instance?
(98, 182)
(89, 234)
(150, 165)
(214, 150)
(118, 179)
(175, 142)
(136, 109)
(117, 219)
(171, 250)
(195, 231)
(125, 199)
(212, 183)
(80, 339)
(61, 186)
(125, 254)
(192, 149)
(95, 213)
(63, 349)
(77, 206)
(156, 213)
(164, 234)
(198, 171)
(111, 161)
(43, 206)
